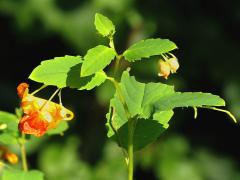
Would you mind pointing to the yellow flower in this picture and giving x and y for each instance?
(12, 158)
(168, 66)
(164, 69)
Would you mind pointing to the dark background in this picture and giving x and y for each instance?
(206, 32)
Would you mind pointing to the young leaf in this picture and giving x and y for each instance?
(13, 174)
(97, 80)
(8, 128)
(56, 71)
(188, 99)
(96, 59)
(104, 25)
(147, 48)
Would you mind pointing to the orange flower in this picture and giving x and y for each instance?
(40, 114)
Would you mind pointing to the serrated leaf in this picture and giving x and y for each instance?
(57, 71)
(153, 102)
(97, 80)
(188, 99)
(97, 59)
(61, 127)
(8, 128)
(147, 48)
(163, 117)
(14, 174)
(104, 25)
(138, 97)
(153, 92)
(146, 130)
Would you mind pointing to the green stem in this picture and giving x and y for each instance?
(131, 127)
(116, 66)
(49, 99)
(23, 153)
(42, 87)
(118, 57)
(130, 148)
(221, 110)
(119, 93)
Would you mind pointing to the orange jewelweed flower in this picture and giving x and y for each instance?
(40, 114)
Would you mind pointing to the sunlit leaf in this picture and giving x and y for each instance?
(96, 59)
(97, 80)
(22, 175)
(8, 128)
(132, 92)
(61, 127)
(151, 105)
(58, 71)
(188, 99)
(147, 48)
(138, 97)
(104, 25)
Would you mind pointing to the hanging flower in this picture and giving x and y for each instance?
(40, 114)
(167, 66)
(174, 65)
(164, 69)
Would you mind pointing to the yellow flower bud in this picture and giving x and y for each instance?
(11, 157)
(164, 69)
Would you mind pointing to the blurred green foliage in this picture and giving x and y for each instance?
(172, 158)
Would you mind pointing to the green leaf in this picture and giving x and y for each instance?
(188, 99)
(146, 130)
(163, 117)
(61, 127)
(8, 128)
(97, 80)
(22, 175)
(139, 98)
(97, 59)
(153, 92)
(57, 71)
(133, 93)
(151, 104)
(116, 117)
(147, 48)
(104, 25)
